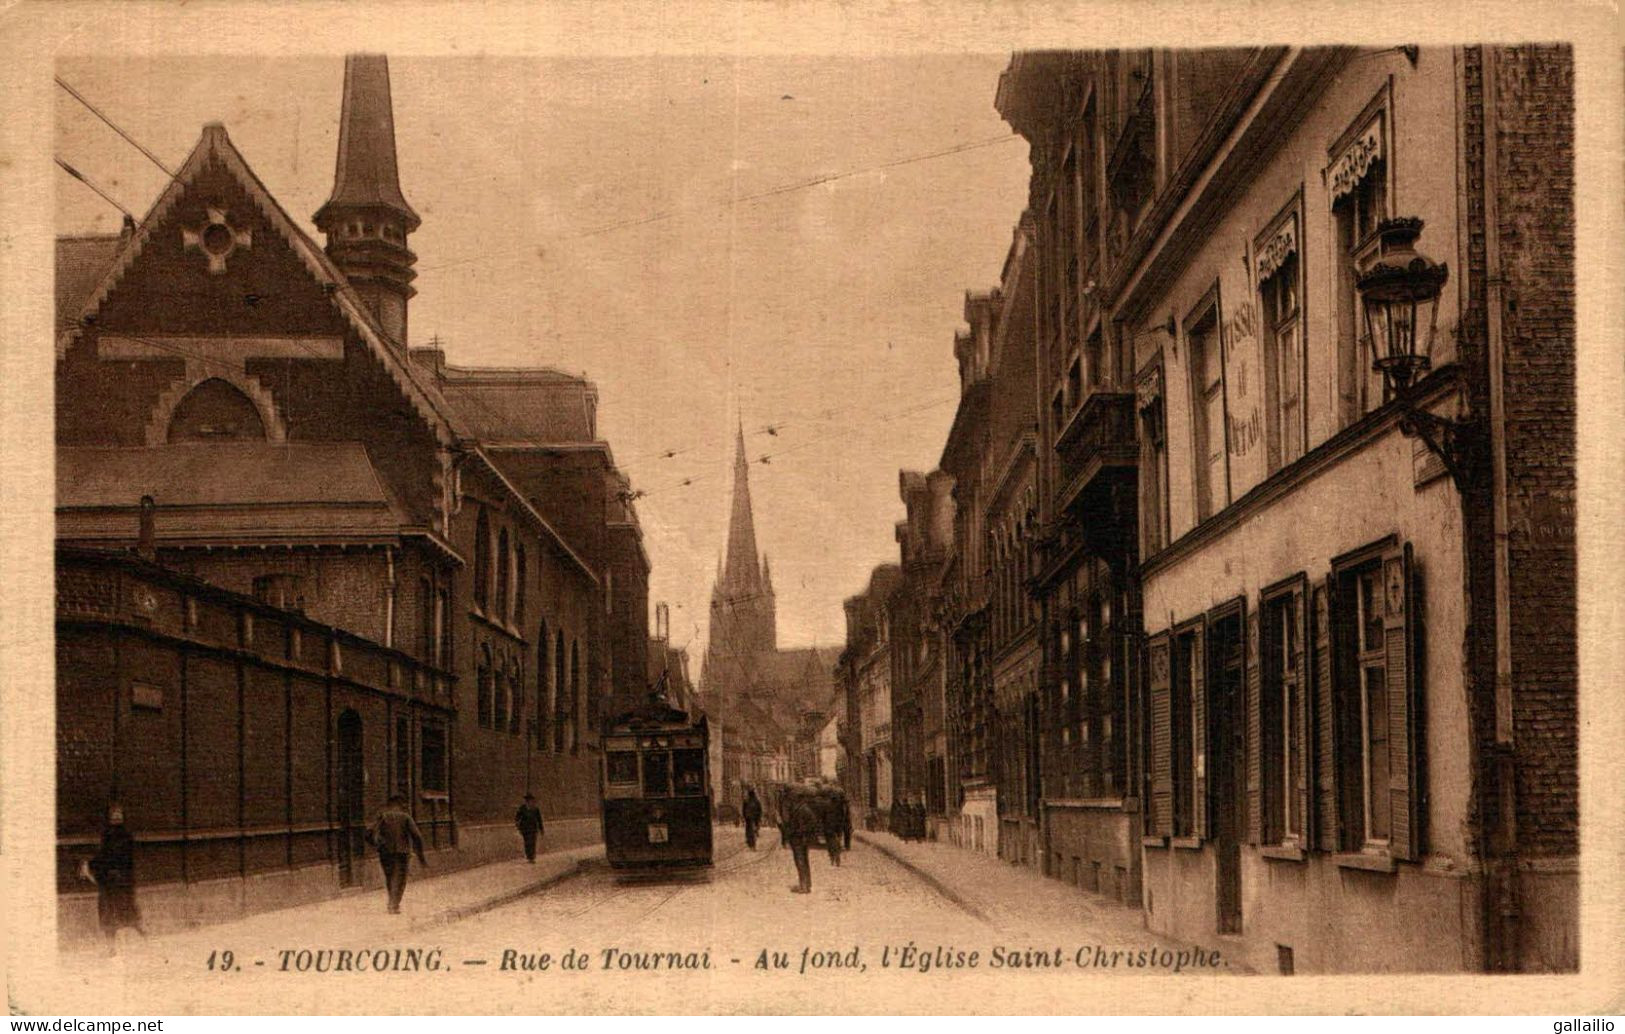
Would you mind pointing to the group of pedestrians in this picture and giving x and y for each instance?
(808, 816)
(908, 820)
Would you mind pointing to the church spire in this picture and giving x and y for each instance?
(367, 218)
(741, 572)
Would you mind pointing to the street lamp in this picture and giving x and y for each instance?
(1399, 294)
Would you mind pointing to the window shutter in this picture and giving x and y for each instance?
(1326, 712)
(1304, 724)
(1255, 736)
(1198, 712)
(1162, 772)
(1399, 646)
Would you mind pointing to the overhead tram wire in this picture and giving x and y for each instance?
(786, 188)
(86, 180)
(76, 95)
(766, 458)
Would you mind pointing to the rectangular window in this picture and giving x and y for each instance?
(1282, 722)
(1207, 397)
(1358, 175)
(656, 773)
(623, 767)
(688, 773)
(1375, 776)
(432, 758)
(1280, 287)
(403, 755)
(1373, 701)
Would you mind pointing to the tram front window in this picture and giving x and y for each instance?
(689, 769)
(656, 773)
(623, 767)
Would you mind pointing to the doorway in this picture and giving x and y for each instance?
(351, 799)
(1227, 738)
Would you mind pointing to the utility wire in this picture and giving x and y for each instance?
(758, 196)
(104, 195)
(115, 126)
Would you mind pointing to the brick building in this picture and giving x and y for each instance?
(361, 570)
(1356, 728)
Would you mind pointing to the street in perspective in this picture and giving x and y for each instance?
(973, 519)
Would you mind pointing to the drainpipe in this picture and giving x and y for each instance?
(1504, 845)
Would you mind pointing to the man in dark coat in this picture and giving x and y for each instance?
(801, 830)
(528, 820)
(113, 872)
(753, 817)
(830, 807)
(392, 833)
(844, 809)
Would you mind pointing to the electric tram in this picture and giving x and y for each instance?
(656, 790)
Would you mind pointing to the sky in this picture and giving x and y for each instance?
(653, 224)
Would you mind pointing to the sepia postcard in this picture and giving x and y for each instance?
(802, 508)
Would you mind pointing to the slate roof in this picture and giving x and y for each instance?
(227, 491)
(81, 262)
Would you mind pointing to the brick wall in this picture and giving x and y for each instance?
(1534, 95)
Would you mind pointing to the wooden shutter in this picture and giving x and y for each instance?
(1399, 644)
(1198, 718)
(1162, 772)
(1325, 755)
(1306, 757)
(1255, 734)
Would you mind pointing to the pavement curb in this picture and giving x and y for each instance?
(935, 884)
(461, 912)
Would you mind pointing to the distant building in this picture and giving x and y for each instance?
(755, 694)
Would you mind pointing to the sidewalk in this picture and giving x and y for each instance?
(1019, 900)
(360, 916)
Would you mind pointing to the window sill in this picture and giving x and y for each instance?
(1186, 843)
(1368, 862)
(1154, 842)
(1282, 852)
(435, 795)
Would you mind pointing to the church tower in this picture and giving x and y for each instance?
(367, 219)
(743, 617)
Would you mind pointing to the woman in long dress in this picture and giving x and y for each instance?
(113, 870)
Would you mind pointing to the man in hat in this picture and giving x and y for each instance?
(392, 833)
(752, 816)
(802, 828)
(528, 820)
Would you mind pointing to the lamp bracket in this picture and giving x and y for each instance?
(1450, 440)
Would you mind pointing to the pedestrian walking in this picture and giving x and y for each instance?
(801, 830)
(753, 817)
(528, 820)
(112, 870)
(829, 808)
(394, 833)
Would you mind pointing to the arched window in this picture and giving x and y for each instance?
(212, 411)
(482, 561)
(503, 562)
(575, 695)
(544, 703)
(518, 617)
(561, 710)
(485, 703)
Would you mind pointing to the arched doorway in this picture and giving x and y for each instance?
(352, 784)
